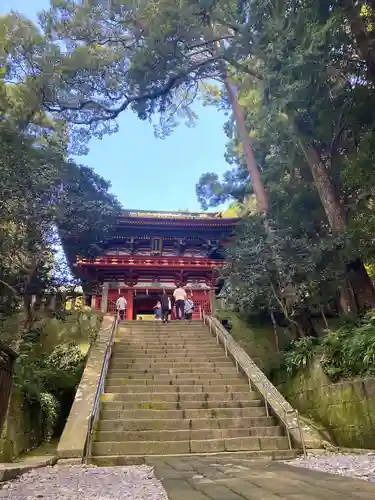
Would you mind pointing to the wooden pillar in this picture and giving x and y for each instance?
(104, 303)
(130, 301)
(93, 302)
(211, 295)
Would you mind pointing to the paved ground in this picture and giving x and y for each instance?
(231, 478)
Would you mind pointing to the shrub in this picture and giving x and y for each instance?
(299, 354)
(350, 350)
(45, 380)
(346, 352)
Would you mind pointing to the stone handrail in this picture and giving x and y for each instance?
(272, 397)
(73, 440)
(99, 391)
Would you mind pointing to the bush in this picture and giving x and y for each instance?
(346, 352)
(45, 380)
(350, 350)
(299, 354)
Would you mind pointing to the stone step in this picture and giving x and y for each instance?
(124, 460)
(192, 372)
(171, 392)
(181, 350)
(185, 424)
(117, 391)
(173, 380)
(212, 378)
(171, 343)
(177, 396)
(176, 356)
(170, 333)
(179, 353)
(129, 387)
(169, 328)
(160, 332)
(159, 335)
(126, 342)
(175, 346)
(157, 332)
(258, 411)
(189, 446)
(186, 434)
(183, 354)
(155, 365)
(179, 405)
(178, 342)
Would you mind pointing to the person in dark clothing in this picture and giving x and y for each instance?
(165, 306)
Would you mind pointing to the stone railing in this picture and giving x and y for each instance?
(73, 440)
(273, 400)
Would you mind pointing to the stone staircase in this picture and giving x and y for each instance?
(171, 390)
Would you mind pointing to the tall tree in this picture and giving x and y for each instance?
(42, 192)
(152, 56)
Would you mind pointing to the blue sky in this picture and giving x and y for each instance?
(145, 172)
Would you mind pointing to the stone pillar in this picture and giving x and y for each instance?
(93, 302)
(130, 301)
(104, 303)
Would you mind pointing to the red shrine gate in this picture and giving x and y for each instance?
(140, 303)
(152, 252)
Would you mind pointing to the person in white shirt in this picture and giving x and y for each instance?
(179, 296)
(121, 306)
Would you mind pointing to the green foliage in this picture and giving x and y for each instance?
(45, 196)
(44, 379)
(63, 367)
(281, 269)
(347, 352)
(299, 355)
(350, 350)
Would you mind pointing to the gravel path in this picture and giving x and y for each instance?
(86, 483)
(357, 466)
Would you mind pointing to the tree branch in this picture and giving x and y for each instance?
(12, 289)
(112, 114)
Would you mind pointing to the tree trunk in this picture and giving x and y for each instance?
(274, 324)
(252, 166)
(258, 186)
(362, 284)
(331, 202)
(358, 280)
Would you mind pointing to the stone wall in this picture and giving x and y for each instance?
(256, 339)
(345, 409)
(23, 426)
